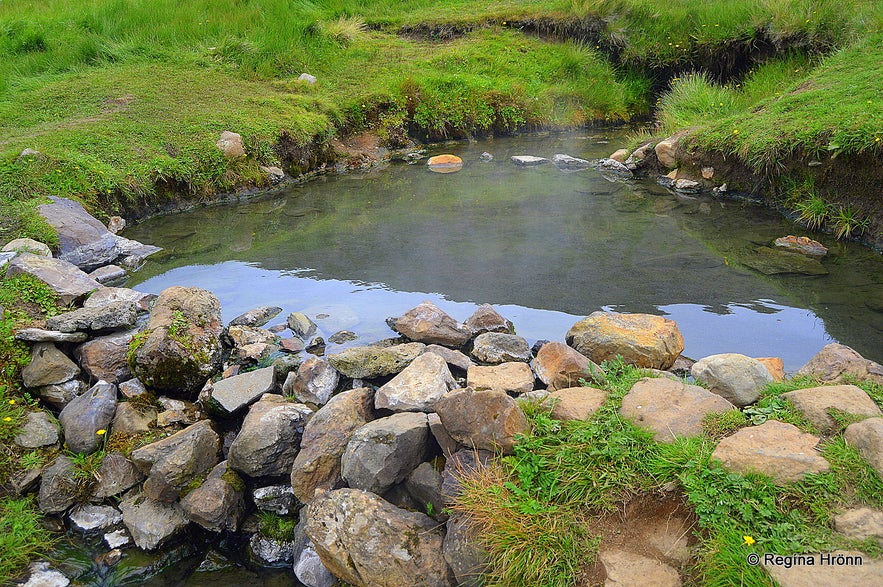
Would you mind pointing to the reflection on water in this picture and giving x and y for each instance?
(545, 247)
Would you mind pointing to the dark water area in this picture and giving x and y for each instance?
(546, 247)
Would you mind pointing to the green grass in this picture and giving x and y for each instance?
(22, 538)
(564, 475)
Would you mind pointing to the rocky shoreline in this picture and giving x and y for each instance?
(200, 424)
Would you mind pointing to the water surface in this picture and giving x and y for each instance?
(544, 246)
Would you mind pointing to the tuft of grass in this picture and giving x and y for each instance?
(848, 222)
(720, 424)
(813, 211)
(345, 29)
(276, 527)
(22, 537)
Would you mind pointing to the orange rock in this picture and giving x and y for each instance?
(445, 163)
(775, 366)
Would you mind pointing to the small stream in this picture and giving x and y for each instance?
(544, 246)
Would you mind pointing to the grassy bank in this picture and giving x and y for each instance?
(539, 512)
(125, 100)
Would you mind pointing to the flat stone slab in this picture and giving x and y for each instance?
(506, 377)
(628, 569)
(861, 524)
(576, 403)
(814, 403)
(781, 451)
(867, 437)
(671, 409)
(66, 279)
(234, 393)
(40, 335)
(528, 160)
(855, 569)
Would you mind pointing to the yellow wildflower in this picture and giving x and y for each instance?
(12, 402)
(748, 540)
(735, 131)
(7, 419)
(101, 432)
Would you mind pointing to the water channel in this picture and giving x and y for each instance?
(544, 246)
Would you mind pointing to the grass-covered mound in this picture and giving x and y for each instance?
(124, 100)
(540, 512)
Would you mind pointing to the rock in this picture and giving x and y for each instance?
(867, 437)
(65, 279)
(801, 244)
(459, 465)
(444, 163)
(815, 402)
(116, 224)
(277, 499)
(230, 143)
(60, 394)
(638, 156)
(86, 415)
(860, 524)
(560, 366)
(836, 361)
(116, 475)
(228, 396)
(111, 316)
(117, 539)
(151, 523)
(671, 409)
(310, 571)
(463, 552)
(108, 274)
(855, 569)
(612, 167)
(342, 336)
(368, 362)
(447, 444)
(276, 175)
(777, 262)
(316, 346)
(424, 485)
(486, 419)
(256, 317)
(58, 487)
(625, 569)
(427, 323)
(620, 155)
(48, 366)
(172, 463)
(576, 403)
(269, 552)
(383, 452)
(132, 420)
(88, 518)
(774, 365)
(217, 505)
(133, 253)
(108, 295)
(42, 575)
(132, 388)
(774, 448)
(301, 325)
(242, 336)
(528, 160)
(177, 412)
(666, 150)
(707, 172)
(180, 348)
(366, 541)
(417, 387)
(105, 357)
(452, 358)
(269, 438)
(38, 430)
(487, 319)
(325, 437)
(736, 378)
(292, 345)
(567, 162)
(313, 383)
(83, 240)
(642, 340)
(514, 378)
(495, 348)
(486, 157)
(687, 186)
(27, 245)
(40, 335)
(306, 77)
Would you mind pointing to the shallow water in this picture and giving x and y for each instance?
(544, 246)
